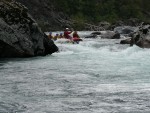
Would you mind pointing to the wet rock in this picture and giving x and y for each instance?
(20, 35)
(142, 37)
(104, 35)
(91, 36)
(96, 33)
(116, 36)
(110, 35)
(126, 41)
(124, 30)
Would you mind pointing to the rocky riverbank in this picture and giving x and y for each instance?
(20, 35)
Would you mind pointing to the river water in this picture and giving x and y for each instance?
(95, 76)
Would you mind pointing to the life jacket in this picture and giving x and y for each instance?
(75, 36)
(66, 34)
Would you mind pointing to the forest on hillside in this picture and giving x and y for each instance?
(54, 14)
(108, 10)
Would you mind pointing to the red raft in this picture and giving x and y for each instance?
(76, 39)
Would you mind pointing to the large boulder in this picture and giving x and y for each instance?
(142, 37)
(20, 35)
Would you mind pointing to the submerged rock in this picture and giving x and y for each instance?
(20, 35)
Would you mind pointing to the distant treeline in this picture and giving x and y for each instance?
(104, 10)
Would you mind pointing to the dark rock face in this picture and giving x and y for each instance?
(142, 37)
(20, 35)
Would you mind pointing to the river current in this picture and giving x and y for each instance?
(94, 76)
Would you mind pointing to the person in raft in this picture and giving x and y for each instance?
(61, 35)
(56, 37)
(75, 34)
(50, 35)
(66, 34)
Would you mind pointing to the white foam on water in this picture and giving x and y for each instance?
(96, 75)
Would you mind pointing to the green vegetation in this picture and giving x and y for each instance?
(104, 10)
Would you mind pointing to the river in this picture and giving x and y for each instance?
(94, 76)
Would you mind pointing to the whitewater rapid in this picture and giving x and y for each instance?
(94, 76)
